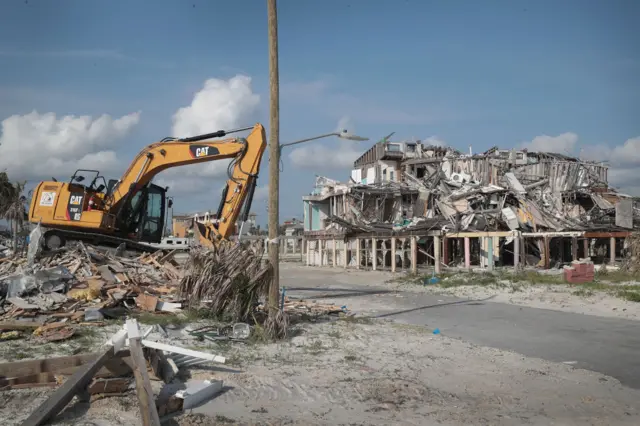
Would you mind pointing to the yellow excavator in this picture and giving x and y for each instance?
(132, 210)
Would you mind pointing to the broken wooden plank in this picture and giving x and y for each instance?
(143, 385)
(147, 302)
(183, 351)
(50, 365)
(65, 393)
(19, 325)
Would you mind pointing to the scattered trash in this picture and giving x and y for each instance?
(436, 331)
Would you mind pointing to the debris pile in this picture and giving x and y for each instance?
(82, 284)
(407, 186)
(230, 279)
(148, 366)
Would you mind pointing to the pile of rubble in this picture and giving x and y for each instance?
(427, 187)
(82, 284)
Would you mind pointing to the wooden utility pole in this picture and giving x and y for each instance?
(274, 156)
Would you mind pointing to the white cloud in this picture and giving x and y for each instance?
(36, 146)
(314, 156)
(562, 144)
(219, 105)
(329, 154)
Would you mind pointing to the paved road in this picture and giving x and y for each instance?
(606, 345)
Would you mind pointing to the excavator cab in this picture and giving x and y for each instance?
(143, 217)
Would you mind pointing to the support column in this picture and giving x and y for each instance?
(374, 254)
(358, 258)
(414, 255)
(574, 248)
(393, 254)
(345, 253)
(585, 244)
(335, 256)
(445, 250)
(612, 249)
(490, 254)
(308, 252)
(547, 253)
(436, 253)
(467, 253)
(516, 251)
(321, 247)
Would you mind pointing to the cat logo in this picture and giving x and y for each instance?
(75, 200)
(202, 152)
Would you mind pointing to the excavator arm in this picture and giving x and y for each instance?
(246, 155)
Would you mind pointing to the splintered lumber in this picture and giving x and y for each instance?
(49, 365)
(146, 400)
(65, 393)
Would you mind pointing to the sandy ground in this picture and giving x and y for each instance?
(364, 373)
(545, 296)
(557, 297)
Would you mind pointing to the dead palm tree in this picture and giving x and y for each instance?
(12, 205)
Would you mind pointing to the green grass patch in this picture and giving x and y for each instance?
(631, 296)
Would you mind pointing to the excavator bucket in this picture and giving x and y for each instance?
(203, 234)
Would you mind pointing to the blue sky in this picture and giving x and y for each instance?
(560, 75)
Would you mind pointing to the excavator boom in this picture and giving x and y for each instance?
(71, 208)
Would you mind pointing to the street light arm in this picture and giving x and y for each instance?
(309, 139)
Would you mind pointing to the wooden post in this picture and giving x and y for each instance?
(143, 385)
(516, 252)
(414, 255)
(612, 249)
(65, 393)
(393, 254)
(374, 254)
(345, 253)
(467, 253)
(358, 254)
(274, 156)
(335, 256)
(574, 248)
(445, 250)
(490, 253)
(436, 253)
(585, 246)
(547, 253)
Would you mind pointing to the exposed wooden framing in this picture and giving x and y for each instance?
(335, 254)
(393, 254)
(612, 250)
(374, 254)
(623, 234)
(414, 255)
(65, 393)
(436, 253)
(345, 253)
(467, 253)
(481, 234)
(143, 385)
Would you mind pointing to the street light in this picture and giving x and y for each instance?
(342, 135)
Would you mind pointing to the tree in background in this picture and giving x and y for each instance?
(12, 205)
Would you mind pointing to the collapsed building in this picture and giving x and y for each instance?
(411, 204)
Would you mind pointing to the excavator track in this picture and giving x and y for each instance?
(56, 238)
